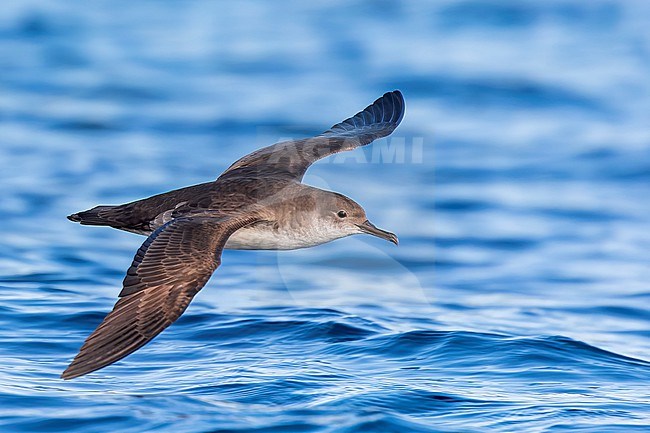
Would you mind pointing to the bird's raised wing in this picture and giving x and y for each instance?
(292, 158)
(170, 267)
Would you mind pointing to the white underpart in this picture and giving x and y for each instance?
(268, 236)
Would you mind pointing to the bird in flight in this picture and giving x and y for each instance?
(258, 203)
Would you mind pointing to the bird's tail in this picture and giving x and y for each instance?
(97, 216)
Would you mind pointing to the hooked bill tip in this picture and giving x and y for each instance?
(371, 229)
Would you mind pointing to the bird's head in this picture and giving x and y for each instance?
(347, 217)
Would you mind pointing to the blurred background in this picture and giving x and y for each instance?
(518, 183)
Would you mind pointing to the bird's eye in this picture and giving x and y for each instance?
(342, 214)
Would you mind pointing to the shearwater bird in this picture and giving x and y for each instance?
(258, 203)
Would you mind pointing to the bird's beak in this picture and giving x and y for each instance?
(368, 227)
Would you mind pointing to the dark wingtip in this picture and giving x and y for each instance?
(74, 217)
(75, 370)
(398, 101)
(389, 108)
(396, 93)
(67, 375)
(384, 115)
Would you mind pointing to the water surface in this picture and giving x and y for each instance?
(518, 299)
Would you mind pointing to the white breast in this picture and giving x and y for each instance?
(267, 236)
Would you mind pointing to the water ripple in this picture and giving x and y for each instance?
(517, 183)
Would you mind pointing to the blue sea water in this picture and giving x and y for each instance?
(519, 184)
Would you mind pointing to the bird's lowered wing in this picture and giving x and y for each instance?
(170, 267)
(292, 158)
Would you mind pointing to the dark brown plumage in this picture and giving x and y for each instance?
(260, 195)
